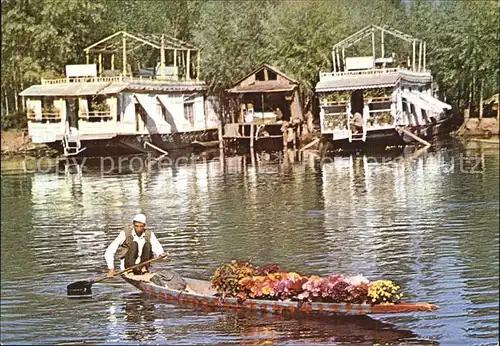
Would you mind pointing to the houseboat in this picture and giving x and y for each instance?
(99, 109)
(268, 110)
(370, 101)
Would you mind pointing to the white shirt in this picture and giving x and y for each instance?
(109, 255)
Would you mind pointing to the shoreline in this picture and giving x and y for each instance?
(17, 144)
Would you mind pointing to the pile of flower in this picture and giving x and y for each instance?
(226, 278)
(242, 280)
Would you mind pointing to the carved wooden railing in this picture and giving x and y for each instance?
(52, 117)
(95, 115)
(374, 71)
(116, 79)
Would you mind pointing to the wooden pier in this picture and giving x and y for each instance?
(270, 136)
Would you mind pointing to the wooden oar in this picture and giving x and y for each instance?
(82, 289)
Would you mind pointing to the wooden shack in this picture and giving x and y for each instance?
(268, 109)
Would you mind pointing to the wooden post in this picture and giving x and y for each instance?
(198, 66)
(373, 43)
(162, 56)
(251, 135)
(415, 137)
(100, 63)
(343, 57)
(175, 63)
(124, 56)
(113, 61)
(220, 134)
(420, 56)
(338, 58)
(266, 77)
(481, 100)
(311, 144)
(222, 160)
(413, 62)
(382, 45)
(188, 64)
(333, 59)
(295, 134)
(423, 65)
(262, 104)
(87, 56)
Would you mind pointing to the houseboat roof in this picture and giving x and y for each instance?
(172, 87)
(368, 79)
(250, 84)
(352, 82)
(64, 87)
(270, 86)
(269, 67)
(73, 89)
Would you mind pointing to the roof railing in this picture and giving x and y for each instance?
(139, 80)
(375, 71)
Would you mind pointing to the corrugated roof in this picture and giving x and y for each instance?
(114, 88)
(270, 86)
(73, 89)
(76, 89)
(352, 82)
(370, 80)
(166, 87)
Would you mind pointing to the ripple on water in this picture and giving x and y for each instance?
(435, 234)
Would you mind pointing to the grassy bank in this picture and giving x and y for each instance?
(17, 143)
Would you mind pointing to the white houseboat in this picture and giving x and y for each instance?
(370, 101)
(97, 110)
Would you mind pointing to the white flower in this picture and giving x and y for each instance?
(357, 280)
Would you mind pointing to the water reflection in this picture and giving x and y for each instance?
(146, 320)
(428, 220)
(267, 328)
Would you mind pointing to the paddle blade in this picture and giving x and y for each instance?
(80, 289)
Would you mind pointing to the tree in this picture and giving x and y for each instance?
(462, 45)
(39, 38)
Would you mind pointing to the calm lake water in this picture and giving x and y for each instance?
(427, 220)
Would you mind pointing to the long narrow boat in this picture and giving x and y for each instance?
(201, 293)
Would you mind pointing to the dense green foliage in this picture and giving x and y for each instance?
(40, 37)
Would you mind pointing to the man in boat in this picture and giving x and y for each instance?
(134, 245)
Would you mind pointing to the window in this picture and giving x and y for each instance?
(159, 110)
(189, 112)
(47, 102)
(424, 116)
(261, 75)
(412, 109)
(271, 75)
(405, 106)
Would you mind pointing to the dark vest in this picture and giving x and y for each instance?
(123, 248)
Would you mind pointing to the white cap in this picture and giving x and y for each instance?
(139, 218)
